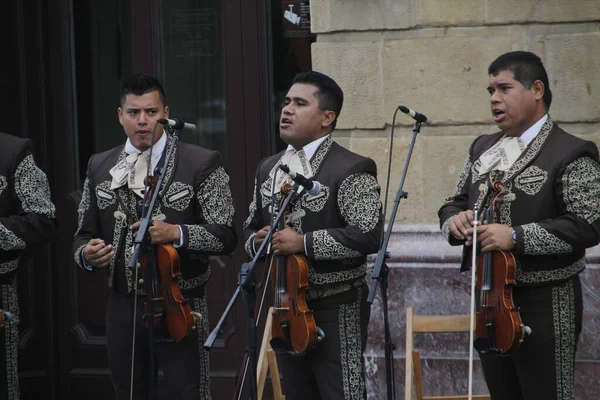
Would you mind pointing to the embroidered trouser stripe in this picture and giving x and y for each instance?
(9, 335)
(200, 305)
(351, 349)
(563, 306)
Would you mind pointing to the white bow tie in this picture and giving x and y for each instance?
(502, 155)
(131, 170)
(298, 163)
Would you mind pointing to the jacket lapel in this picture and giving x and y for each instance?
(531, 152)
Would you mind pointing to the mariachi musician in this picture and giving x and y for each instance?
(194, 214)
(334, 230)
(26, 218)
(549, 216)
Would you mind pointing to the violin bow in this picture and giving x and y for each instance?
(473, 283)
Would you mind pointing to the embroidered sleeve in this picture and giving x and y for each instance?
(32, 219)
(360, 207)
(214, 234)
(578, 225)
(87, 223)
(251, 225)
(581, 193)
(538, 241)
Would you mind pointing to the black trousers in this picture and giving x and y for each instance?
(335, 368)
(184, 364)
(543, 367)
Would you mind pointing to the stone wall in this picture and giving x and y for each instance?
(432, 56)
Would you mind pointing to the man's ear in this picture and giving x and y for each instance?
(120, 115)
(538, 89)
(328, 118)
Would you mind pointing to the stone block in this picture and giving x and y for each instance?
(450, 12)
(443, 77)
(445, 157)
(356, 68)
(410, 209)
(361, 15)
(518, 11)
(572, 63)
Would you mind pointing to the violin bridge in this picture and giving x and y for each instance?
(281, 308)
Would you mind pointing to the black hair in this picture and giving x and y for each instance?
(329, 93)
(526, 68)
(140, 84)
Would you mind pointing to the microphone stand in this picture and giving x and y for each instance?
(247, 287)
(381, 271)
(142, 244)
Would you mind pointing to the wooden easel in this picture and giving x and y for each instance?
(267, 360)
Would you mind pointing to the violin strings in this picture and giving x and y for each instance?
(264, 293)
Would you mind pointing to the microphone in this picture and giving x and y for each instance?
(416, 115)
(527, 330)
(176, 123)
(312, 187)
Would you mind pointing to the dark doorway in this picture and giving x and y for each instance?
(222, 72)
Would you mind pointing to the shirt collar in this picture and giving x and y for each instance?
(533, 130)
(157, 149)
(311, 148)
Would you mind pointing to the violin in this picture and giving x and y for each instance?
(169, 309)
(498, 323)
(294, 330)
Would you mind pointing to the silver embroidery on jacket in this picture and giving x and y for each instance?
(202, 240)
(538, 241)
(3, 183)
(550, 275)
(8, 266)
(532, 150)
(214, 197)
(358, 201)
(252, 209)
(581, 189)
(178, 196)
(462, 179)
(531, 180)
(446, 227)
(327, 248)
(31, 186)
(10, 241)
(84, 204)
(191, 283)
(105, 196)
(316, 278)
